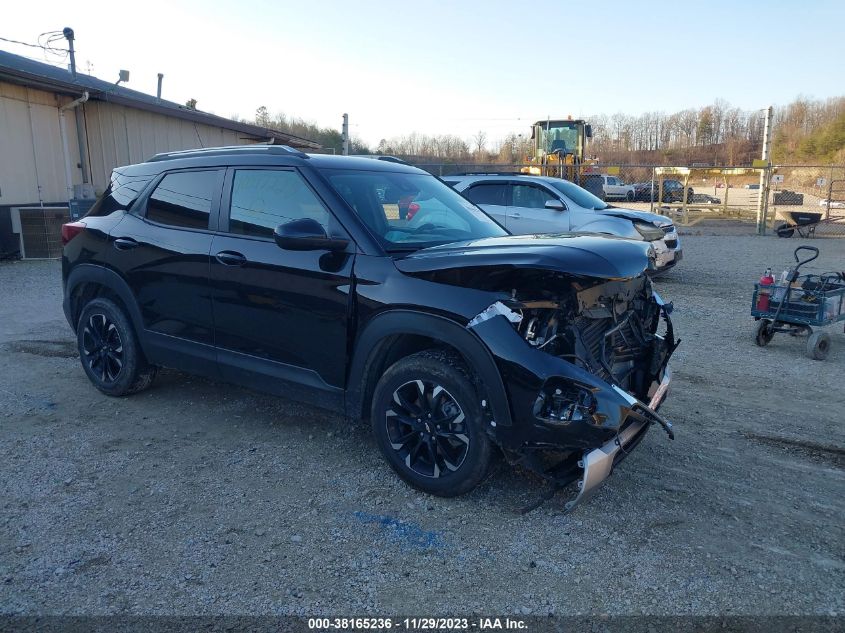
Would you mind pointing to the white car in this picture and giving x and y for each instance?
(834, 204)
(615, 189)
(539, 204)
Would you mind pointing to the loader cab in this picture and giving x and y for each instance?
(564, 139)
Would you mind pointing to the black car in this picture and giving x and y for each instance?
(292, 274)
(673, 191)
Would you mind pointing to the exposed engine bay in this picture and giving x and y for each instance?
(609, 328)
(615, 329)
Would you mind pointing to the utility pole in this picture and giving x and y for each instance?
(68, 33)
(345, 134)
(765, 173)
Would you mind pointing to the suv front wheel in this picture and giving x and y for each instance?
(427, 421)
(109, 352)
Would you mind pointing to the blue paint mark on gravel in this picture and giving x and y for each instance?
(402, 532)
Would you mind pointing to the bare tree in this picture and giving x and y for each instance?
(262, 116)
(479, 140)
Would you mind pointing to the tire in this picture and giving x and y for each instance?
(818, 345)
(763, 335)
(783, 230)
(444, 451)
(629, 196)
(109, 351)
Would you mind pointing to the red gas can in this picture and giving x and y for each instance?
(766, 281)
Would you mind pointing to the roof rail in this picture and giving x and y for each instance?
(230, 150)
(388, 159)
(487, 173)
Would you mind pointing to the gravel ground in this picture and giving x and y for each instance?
(203, 498)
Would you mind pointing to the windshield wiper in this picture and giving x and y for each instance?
(402, 249)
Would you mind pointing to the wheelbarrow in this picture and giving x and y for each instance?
(805, 222)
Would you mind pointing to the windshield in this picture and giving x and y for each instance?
(578, 195)
(561, 137)
(407, 212)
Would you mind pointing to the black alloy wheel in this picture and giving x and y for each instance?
(102, 348)
(109, 351)
(427, 419)
(427, 428)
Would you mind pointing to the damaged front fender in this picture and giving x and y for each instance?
(526, 372)
(598, 422)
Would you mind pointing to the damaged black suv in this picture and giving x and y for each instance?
(370, 288)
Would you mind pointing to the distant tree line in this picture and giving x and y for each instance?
(805, 131)
(810, 132)
(331, 139)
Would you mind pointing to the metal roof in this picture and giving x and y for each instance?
(28, 72)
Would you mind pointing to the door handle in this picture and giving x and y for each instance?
(230, 258)
(516, 215)
(125, 243)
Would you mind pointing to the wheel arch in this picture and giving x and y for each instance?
(399, 333)
(87, 281)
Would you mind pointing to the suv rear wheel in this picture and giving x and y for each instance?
(109, 352)
(427, 421)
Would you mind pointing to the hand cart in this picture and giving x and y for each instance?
(798, 304)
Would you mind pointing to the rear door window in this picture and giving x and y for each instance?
(488, 193)
(184, 199)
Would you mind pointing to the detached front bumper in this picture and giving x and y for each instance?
(598, 463)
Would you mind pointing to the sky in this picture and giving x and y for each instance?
(452, 67)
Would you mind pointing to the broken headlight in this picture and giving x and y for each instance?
(563, 402)
(649, 232)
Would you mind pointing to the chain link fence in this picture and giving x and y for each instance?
(696, 193)
(812, 196)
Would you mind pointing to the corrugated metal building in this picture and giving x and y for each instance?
(61, 135)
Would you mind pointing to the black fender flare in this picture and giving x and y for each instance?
(108, 278)
(397, 322)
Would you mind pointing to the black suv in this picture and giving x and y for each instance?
(298, 274)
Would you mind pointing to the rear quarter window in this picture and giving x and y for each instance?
(122, 191)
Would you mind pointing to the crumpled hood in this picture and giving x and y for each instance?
(642, 216)
(587, 255)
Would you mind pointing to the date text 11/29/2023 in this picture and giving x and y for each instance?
(416, 624)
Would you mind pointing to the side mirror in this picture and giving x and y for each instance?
(306, 234)
(555, 205)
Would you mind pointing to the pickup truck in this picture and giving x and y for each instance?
(615, 189)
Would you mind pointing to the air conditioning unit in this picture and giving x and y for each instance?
(40, 230)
